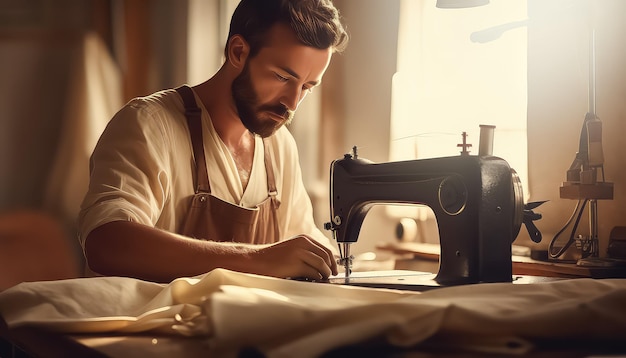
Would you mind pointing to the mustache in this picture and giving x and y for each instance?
(279, 109)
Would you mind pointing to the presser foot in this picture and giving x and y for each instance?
(346, 262)
(345, 259)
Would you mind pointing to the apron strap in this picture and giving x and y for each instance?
(194, 122)
(271, 181)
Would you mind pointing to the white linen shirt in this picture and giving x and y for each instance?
(142, 170)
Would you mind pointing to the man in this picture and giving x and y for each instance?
(178, 190)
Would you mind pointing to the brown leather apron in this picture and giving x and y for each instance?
(211, 218)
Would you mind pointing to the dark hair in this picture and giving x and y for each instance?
(315, 22)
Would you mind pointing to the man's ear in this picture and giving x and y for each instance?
(238, 50)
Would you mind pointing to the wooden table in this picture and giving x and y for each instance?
(37, 342)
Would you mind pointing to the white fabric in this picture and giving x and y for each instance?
(284, 318)
(141, 171)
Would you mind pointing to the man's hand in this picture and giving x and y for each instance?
(299, 256)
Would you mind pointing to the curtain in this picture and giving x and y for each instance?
(94, 95)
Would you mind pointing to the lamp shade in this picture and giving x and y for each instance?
(460, 4)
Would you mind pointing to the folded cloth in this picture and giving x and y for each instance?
(286, 318)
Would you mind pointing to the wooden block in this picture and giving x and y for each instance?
(577, 191)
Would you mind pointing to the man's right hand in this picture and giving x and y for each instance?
(298, 256)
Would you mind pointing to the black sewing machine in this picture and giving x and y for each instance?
(477, 202)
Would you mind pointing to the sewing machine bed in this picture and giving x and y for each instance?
(410, 280)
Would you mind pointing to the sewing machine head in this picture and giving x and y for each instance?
(477, 202)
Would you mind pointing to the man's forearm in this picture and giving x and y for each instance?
(129, 249)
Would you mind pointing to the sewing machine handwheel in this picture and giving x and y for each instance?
(518, 197)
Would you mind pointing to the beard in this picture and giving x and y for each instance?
(251, 112)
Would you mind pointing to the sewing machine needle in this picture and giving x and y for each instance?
(347, 261)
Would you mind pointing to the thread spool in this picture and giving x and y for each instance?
(485, 145)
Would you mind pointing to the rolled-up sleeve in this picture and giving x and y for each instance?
(128, 171)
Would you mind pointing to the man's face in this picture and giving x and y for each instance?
(259, 118)
(272, 84)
